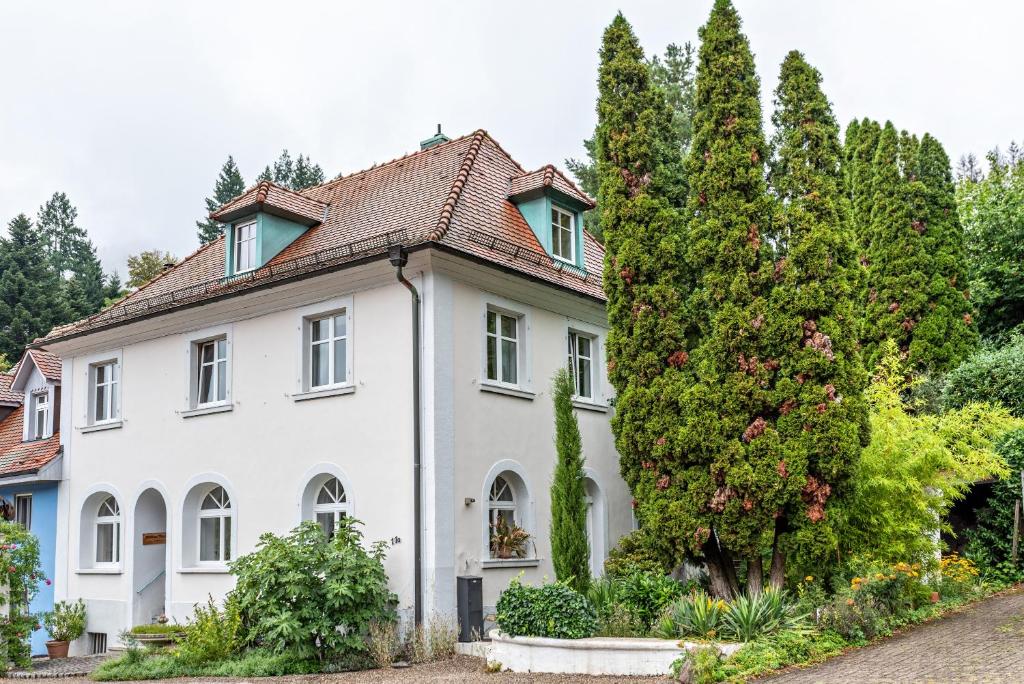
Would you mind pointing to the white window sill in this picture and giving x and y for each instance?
(99, 427)
(321, 393)
(509, 563)
(99, 571)
(204, 570)
(486, 386)
(206, 410)
(589, 405)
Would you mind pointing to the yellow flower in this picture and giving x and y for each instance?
(809, 578)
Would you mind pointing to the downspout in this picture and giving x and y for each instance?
(399, 258)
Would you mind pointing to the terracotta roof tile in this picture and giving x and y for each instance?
(7, 395)
(17, 457)
(267, 196)
(548, 177)
(454, 194)
(48, 364)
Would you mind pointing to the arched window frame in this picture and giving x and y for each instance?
(89, 508)
(309, 488)
(337, 507)
(221, 510)
(515, 475)
(108, 513)
(197, 487)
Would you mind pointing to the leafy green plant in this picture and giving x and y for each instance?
(779, 650)
(700, 665)
(212, 634)
(648, 594)
(634, 554)
(66, 622)
(168, 629)
(21, 578)
(311, 597)
(696, 615)
(751, 617)
(551, 610)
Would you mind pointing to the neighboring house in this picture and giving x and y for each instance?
(268, 378)
(30, 461)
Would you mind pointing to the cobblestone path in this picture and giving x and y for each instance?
(983, 644)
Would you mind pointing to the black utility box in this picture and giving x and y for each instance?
(470, 598)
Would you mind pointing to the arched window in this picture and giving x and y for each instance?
(508, 519)
(331, 505)
(215, 526)
(108, 532)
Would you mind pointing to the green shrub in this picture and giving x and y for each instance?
(779, 650)
(634, 555)
(162, 629)
(990, 542)
(993, 375)
(760, 615)
(212, 634)
(311, 597)
(701, 665)
(648, 594)
(552, 610)
(19, 557)
(66, 622)
(160, 665)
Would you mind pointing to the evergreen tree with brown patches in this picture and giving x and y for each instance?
(811, 324)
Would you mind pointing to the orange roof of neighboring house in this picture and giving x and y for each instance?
(453, 195)
(17, 457)
(7, 395)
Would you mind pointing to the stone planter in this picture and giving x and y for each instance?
(594, 656)
(158, 639)
(57, 649)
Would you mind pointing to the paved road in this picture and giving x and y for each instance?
(984, 644)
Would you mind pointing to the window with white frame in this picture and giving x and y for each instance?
(245, 246)
(331, 506)
(104, 379)
(563, 234)
(40, 415)
(503, 341)
(581, 364)
(23, 510)
(211, 370)
(108, 532)
(215, 527)
(507, 526)
(502, 502)
(328, 350)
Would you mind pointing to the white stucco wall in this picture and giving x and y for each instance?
(265, 450)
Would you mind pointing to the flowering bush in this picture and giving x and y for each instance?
(19, 568)
(958, 576)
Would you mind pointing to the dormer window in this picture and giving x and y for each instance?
(245, 246)
(563, 234)
(40, 415)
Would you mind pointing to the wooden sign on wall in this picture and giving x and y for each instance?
(152, 538)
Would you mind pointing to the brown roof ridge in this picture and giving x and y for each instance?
(262, 190)
(445, 220)
(350, 176)
(549, 176)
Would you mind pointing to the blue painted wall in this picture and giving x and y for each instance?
(537, 213)
(44, 526)
(273, 234)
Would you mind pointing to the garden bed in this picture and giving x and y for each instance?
(592, 656)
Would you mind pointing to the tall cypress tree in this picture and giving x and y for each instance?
(570, 548)
(947, 333)
(31, 302)
(811, 324)
(228, 186)
(860, 155)
(645, 278)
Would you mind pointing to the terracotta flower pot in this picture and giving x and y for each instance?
(57, 649)
(935, 597)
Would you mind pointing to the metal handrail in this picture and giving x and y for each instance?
(147, 584)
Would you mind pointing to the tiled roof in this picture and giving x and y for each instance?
(452, 195)
(274, 199)
(48, 364)
(548, 177)
(7, 395)
(17, 457)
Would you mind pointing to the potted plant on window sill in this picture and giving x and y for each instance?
(508, 540)
(65, 623)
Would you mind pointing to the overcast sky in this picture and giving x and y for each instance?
(131, 108)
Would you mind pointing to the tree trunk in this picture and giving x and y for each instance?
(755, 575)
(717, 570)
(777, 577)
(730, 570)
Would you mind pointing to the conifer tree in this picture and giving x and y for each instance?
(228, 186)
(306, 174)
(60, 233)
(811, 322)
(860, 154)
(31, 302)
(645, 275)
(947, 333)
(570, 548)
(722, 477)
(113, 289)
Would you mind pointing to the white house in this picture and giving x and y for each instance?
(271, 377)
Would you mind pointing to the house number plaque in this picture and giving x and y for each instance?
(152, 538)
